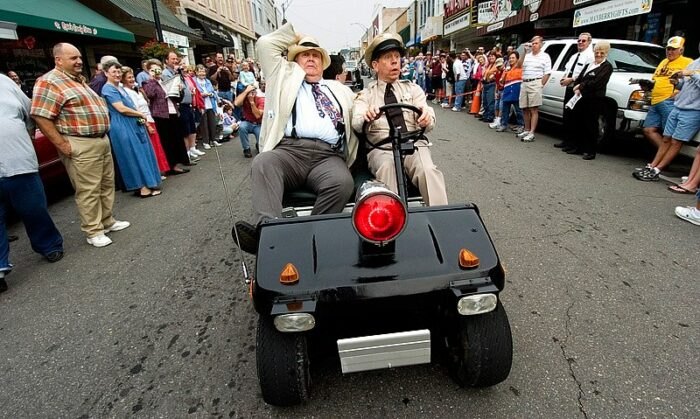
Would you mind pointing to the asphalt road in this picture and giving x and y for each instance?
(601, 295)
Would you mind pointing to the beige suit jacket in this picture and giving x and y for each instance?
(284, 79)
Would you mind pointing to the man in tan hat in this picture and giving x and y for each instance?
(384, 54)
(306, 134)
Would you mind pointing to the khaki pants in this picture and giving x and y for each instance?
(420, 169)
(91, 171)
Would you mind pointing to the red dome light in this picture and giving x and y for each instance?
(379, 218)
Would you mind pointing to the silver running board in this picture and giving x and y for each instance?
(384, 351)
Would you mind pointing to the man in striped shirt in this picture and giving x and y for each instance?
(537, 67)
(76, 120)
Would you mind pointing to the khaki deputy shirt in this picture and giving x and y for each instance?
(406, 91)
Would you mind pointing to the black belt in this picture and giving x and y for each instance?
(529, 80)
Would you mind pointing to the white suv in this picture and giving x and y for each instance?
(626, 104)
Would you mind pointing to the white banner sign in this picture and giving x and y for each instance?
(610, 10)
(494, 11)
(175, 39)
(457, 24)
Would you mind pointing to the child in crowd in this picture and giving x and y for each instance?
(246, 77)
(229, 123)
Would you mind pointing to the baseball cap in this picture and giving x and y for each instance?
(675, 42)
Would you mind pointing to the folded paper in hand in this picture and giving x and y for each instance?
(573, 101)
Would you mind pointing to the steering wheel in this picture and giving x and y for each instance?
(406, 137)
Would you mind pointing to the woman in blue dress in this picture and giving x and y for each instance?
(130, 142)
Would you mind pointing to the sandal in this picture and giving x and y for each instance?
(680, 189)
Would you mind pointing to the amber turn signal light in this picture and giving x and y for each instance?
(467, 259)
(289, 275)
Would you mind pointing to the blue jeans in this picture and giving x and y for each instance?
(489, 97)
(505, 113)
(245, 128)
(420, 81)
(226, 95)
(460, 85)
(25, 194)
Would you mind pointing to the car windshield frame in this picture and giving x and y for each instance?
(632, 58)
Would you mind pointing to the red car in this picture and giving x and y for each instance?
(51, 168)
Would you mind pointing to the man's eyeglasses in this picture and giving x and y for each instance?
(581, 41)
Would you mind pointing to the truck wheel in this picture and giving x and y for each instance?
(607, 122)
(283, 365)
(480, 349)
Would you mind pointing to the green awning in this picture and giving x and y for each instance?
(405, 34)
(143, 11)
(65, 16)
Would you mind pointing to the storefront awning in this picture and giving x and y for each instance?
(212, 33)
(141, 10)
(65, 16)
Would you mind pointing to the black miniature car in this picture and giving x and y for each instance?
(389, 282)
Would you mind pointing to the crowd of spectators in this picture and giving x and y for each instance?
(124, 129)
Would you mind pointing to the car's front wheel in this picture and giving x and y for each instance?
(607, 125)
(480, 348)
(283, 365)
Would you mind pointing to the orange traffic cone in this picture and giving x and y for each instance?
(476, 100)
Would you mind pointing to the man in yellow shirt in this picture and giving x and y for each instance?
(662, 96)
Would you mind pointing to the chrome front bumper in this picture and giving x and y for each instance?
(384, 351)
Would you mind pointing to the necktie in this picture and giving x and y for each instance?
(396, 115)
(324, 104)
(571, 70)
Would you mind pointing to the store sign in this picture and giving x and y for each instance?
(533, 5)
(432, 29)
(175, 39)
(552, 23)
(494, 27)
(610, 10)
(457, 24)
(494, 11)
(534, 17)
(74, 28)
(452, 7)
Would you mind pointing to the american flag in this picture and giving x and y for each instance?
(495, 8)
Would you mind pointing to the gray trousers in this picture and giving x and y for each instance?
(295, 163)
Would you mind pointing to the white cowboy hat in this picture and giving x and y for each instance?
(306, 43)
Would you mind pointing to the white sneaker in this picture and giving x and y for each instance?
(197, 152)
(689, 214)
(117, 226)
(216, 143)
(456, 110)
(206, 146)
(495, 124)
(522, 134)
(530, 137)
(99, 241)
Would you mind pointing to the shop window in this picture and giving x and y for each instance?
(573, 49)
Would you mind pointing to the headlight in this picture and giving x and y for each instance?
(295, 322)
(476, 304)
(639, 101)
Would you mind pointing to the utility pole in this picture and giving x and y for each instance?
(156, 20)
(285, 5)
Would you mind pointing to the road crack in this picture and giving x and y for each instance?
(570, 360)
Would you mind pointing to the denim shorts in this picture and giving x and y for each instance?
(658, 114)
(682, 124)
